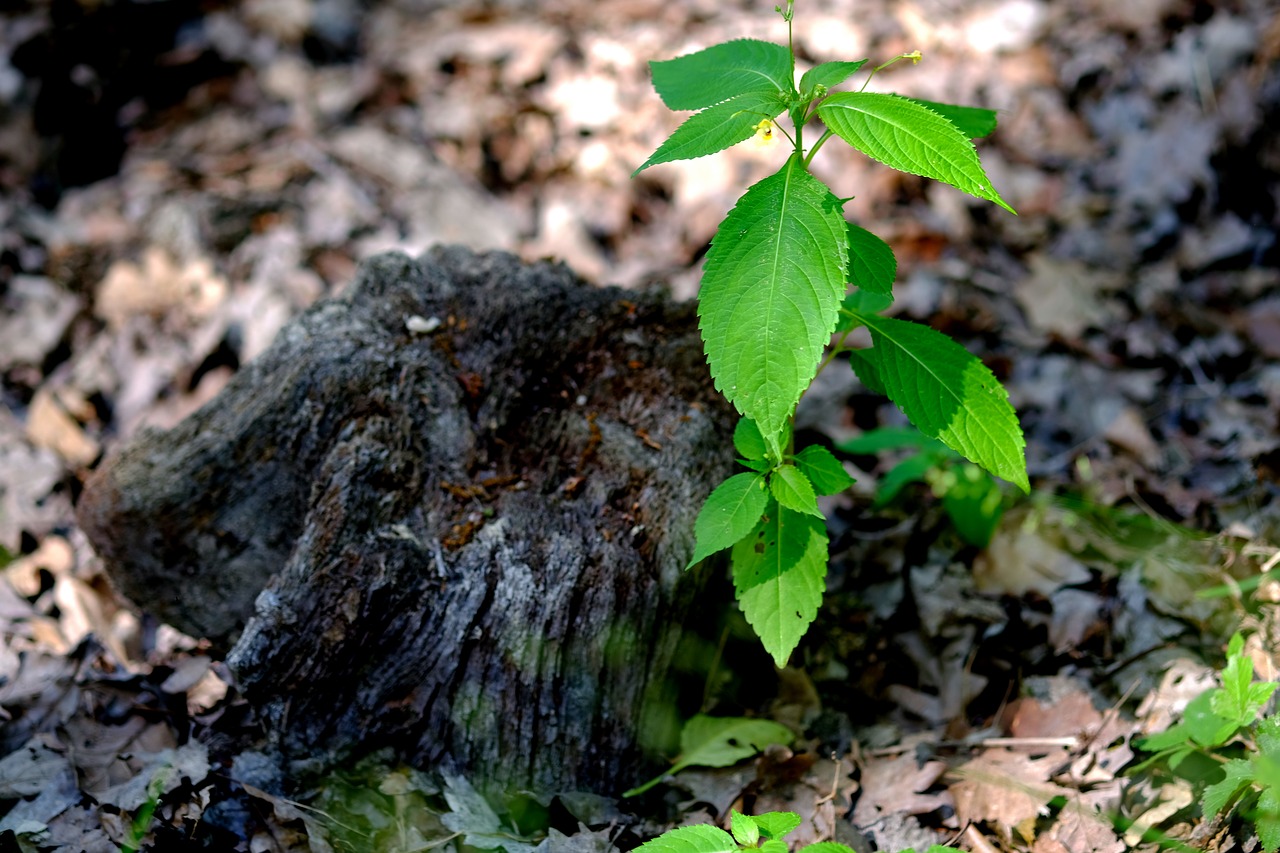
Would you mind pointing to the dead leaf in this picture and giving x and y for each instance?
(899, 785)
(157, 286)
(1065, 297)
(35, 316)
(1077, 831)
(1020, 561)
(31, 769)
(1068, 715)
(1129, 432)
(1007, 790)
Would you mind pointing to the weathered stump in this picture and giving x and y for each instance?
(464, 542)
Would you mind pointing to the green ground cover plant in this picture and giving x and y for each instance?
(776, 289)
(1227, 749)
(764, 832)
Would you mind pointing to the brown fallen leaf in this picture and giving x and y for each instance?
(50, 426)
(899, 784)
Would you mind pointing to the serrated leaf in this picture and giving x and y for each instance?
(1239, 776)
(863, 367)
(747, 439)
(872, 265)
(699, 838)
(1267, 819)
(823, 470)
(829, 74)
(773, 845)
(719, 742)
(909, 137)
(776, 824)
(793, 490)
(948, 394)
(779, 572)
(723, 71)
(1240, 699)
(730, 513)
(973, 122)
(716, 128)
(745, 831)
(761, 465)
(771, 291)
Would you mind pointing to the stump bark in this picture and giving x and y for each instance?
(447, 512)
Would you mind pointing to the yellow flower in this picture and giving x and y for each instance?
(765, 137)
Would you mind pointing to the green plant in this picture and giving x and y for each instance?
(759, 832)
(970, 497)
(774, 292)
(1223, 725)
(719, 742)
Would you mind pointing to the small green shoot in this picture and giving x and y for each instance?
(775, 289)
(1223, 725)
(748, 832)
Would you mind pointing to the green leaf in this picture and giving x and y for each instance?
(779, 572)
(863, 367)
(719, 742)
(913, 469)
(730, 513)
(1218, 796)
(773, 845)
(1240, 699)
(823, 470)
(720, 72)
(826, 847)
(1176, 735)
(973, 122)
(909, 137)
(1267, 819)
(747, 439)
(973, 502)
(771, 291)
(948, 394)
(828, 74)
(872, 265)
(776, 824)
(888, 438)
(699, 838)
(716, 128)
(859, 301)
(793, 490)
(761, 465)
(745, 831)
(1206, 727)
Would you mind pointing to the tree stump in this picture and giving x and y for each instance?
(447, 512)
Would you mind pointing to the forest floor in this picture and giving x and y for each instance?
(993, 698)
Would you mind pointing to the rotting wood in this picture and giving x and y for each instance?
(467, 544)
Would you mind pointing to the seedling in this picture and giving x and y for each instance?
(750, 832)
(775, 289)
(1224, 726)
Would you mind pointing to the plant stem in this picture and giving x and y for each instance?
(835, 351)
(825, 136)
